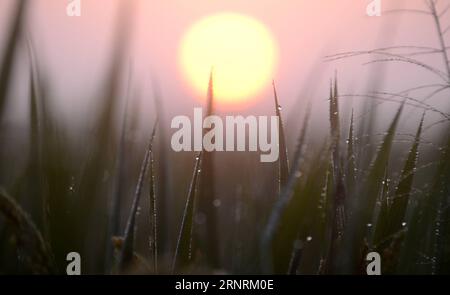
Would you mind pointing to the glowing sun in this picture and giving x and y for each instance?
(240, 50)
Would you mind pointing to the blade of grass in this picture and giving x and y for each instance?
(326, 209)
(414, 240)
(337, 206)
(114, 214)
(283, 158)
(351, 156)
(281, 204)
(207, 193)
(296, 254)
(29, 238)
(303, 218)
(7, 61)
(378, 167)
(296, 257)
(442, 187)
(425, 249)
(183, 249)
(440, 33)
(363, 207)
(437, 217)
(127, 250)
(397, 210)
(153, 239)
(101, 151)
(36, 137)
(56, 176)
(383, 215)
(163, 181)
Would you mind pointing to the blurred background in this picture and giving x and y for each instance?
(76, 51)
(81, 95)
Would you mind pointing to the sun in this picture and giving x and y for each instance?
(239, 50)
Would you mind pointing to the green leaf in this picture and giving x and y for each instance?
(364, 206)
(10, 52)
(400, 200)
(183, 249)
(377, 172)
(127, 250)
(29, 239)
(207, 194)
(283, 158)
(351, 166)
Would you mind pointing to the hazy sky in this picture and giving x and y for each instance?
(75, 50)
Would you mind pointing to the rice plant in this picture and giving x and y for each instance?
(128, 205)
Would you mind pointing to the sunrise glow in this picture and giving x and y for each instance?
(240, 50)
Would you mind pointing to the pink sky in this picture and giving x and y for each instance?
(75, 50)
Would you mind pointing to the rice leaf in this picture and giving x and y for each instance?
(377, 171)
(364, 206)
(334, 119)
(283, 158)
(37, 109)
(55, 183)
(382, 219)
(397, 210)
(10, 52)
(153, 239)
(114, 211)
(267, 252)
(426, 245)
(296, 256)
(414, 241)
(301, 142)
(126, 254)
(336, 213)
(207, 194)
(296, 167)
(100, 159)
(351, 166)
(183, 249)
(162, 181)
(35, 250)
(436, 219)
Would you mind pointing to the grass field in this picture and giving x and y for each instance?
(117, 194)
